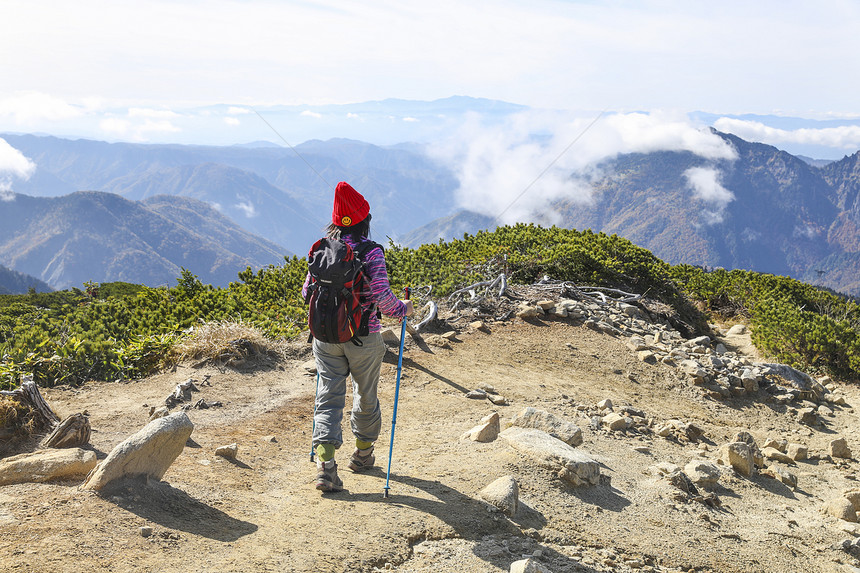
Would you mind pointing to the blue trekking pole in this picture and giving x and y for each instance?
(396, 396)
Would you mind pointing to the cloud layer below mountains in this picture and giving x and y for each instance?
(515, 170)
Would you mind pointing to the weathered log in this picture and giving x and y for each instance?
(28, 393)
(73, 432)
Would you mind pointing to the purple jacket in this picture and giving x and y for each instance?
(379, 293)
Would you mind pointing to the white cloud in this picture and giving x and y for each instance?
(115, 126)
(842, 137)
(232, 121)
(235, 110)
(163, 126)
(13, 164)
(247, 208)
(411, 119)
(516, 169)
(152, 113)
(309, 113)
(29, 107)
(705, 183)
(706, 186)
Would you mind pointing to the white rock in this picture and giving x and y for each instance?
(487, 431)
(737, 330)
(310, 366)
(504, 494)
(565, 431)
(45, 465)
(774, 454)
(702, 472)
(148, 452)
(528, 566)
(605, 404)
(615, 421)
(739, 456)
(228, 451)
(574, 466)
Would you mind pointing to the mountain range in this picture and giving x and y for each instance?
(13, 282)
(764, 210)
(97, 236)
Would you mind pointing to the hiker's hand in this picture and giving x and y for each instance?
(410, 310)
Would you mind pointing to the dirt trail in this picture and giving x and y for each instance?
(261, 513)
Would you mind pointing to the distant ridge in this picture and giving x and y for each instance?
(102, 237)
(13, 282)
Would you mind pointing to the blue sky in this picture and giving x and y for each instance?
(191, 71)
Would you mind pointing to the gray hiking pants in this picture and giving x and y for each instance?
(335, 362)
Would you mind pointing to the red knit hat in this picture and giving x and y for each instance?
(350, 207)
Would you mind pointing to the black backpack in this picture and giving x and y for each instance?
(334, 291)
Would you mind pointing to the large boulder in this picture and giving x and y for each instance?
(149, 452)
(45, 465)
(571, 464)
(567, 432)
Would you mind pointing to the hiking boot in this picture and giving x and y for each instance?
(361, 459)
(327, 479)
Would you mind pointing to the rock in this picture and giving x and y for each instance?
(573, 465)
(450, 335)
(841, 508)
(160, 412)
(497, 399)
(637, 344)
(145, 531)
(839, 449)
(487, 431)
(774, 454)
(149, 452)
(390, 338)
(546, 304)
(605, 404)
(476, 394)
(615, 421)
(667, 468)
(565, 431)
(853, 496)
(797, 452)
(785, 476)
(739, 456)
(702, 472)
(780, 445)
(45, 465)
(434, 340)
(737, 330)
(526, 312)
(647, 356)
(310, 366)
(807, 416)
(504, 494)
(271, 439)
(746, 437)
(228, 452)
(479, 325)
(528, 566)
(699, 341)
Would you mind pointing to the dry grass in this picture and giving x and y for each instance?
(227, 344)
(16, 418)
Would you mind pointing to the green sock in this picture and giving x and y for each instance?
(363, 445)
(325, 452)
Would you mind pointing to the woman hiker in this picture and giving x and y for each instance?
(337, 361)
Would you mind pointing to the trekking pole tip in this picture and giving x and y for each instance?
(385, 493)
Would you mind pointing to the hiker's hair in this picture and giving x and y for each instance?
(359, 231)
